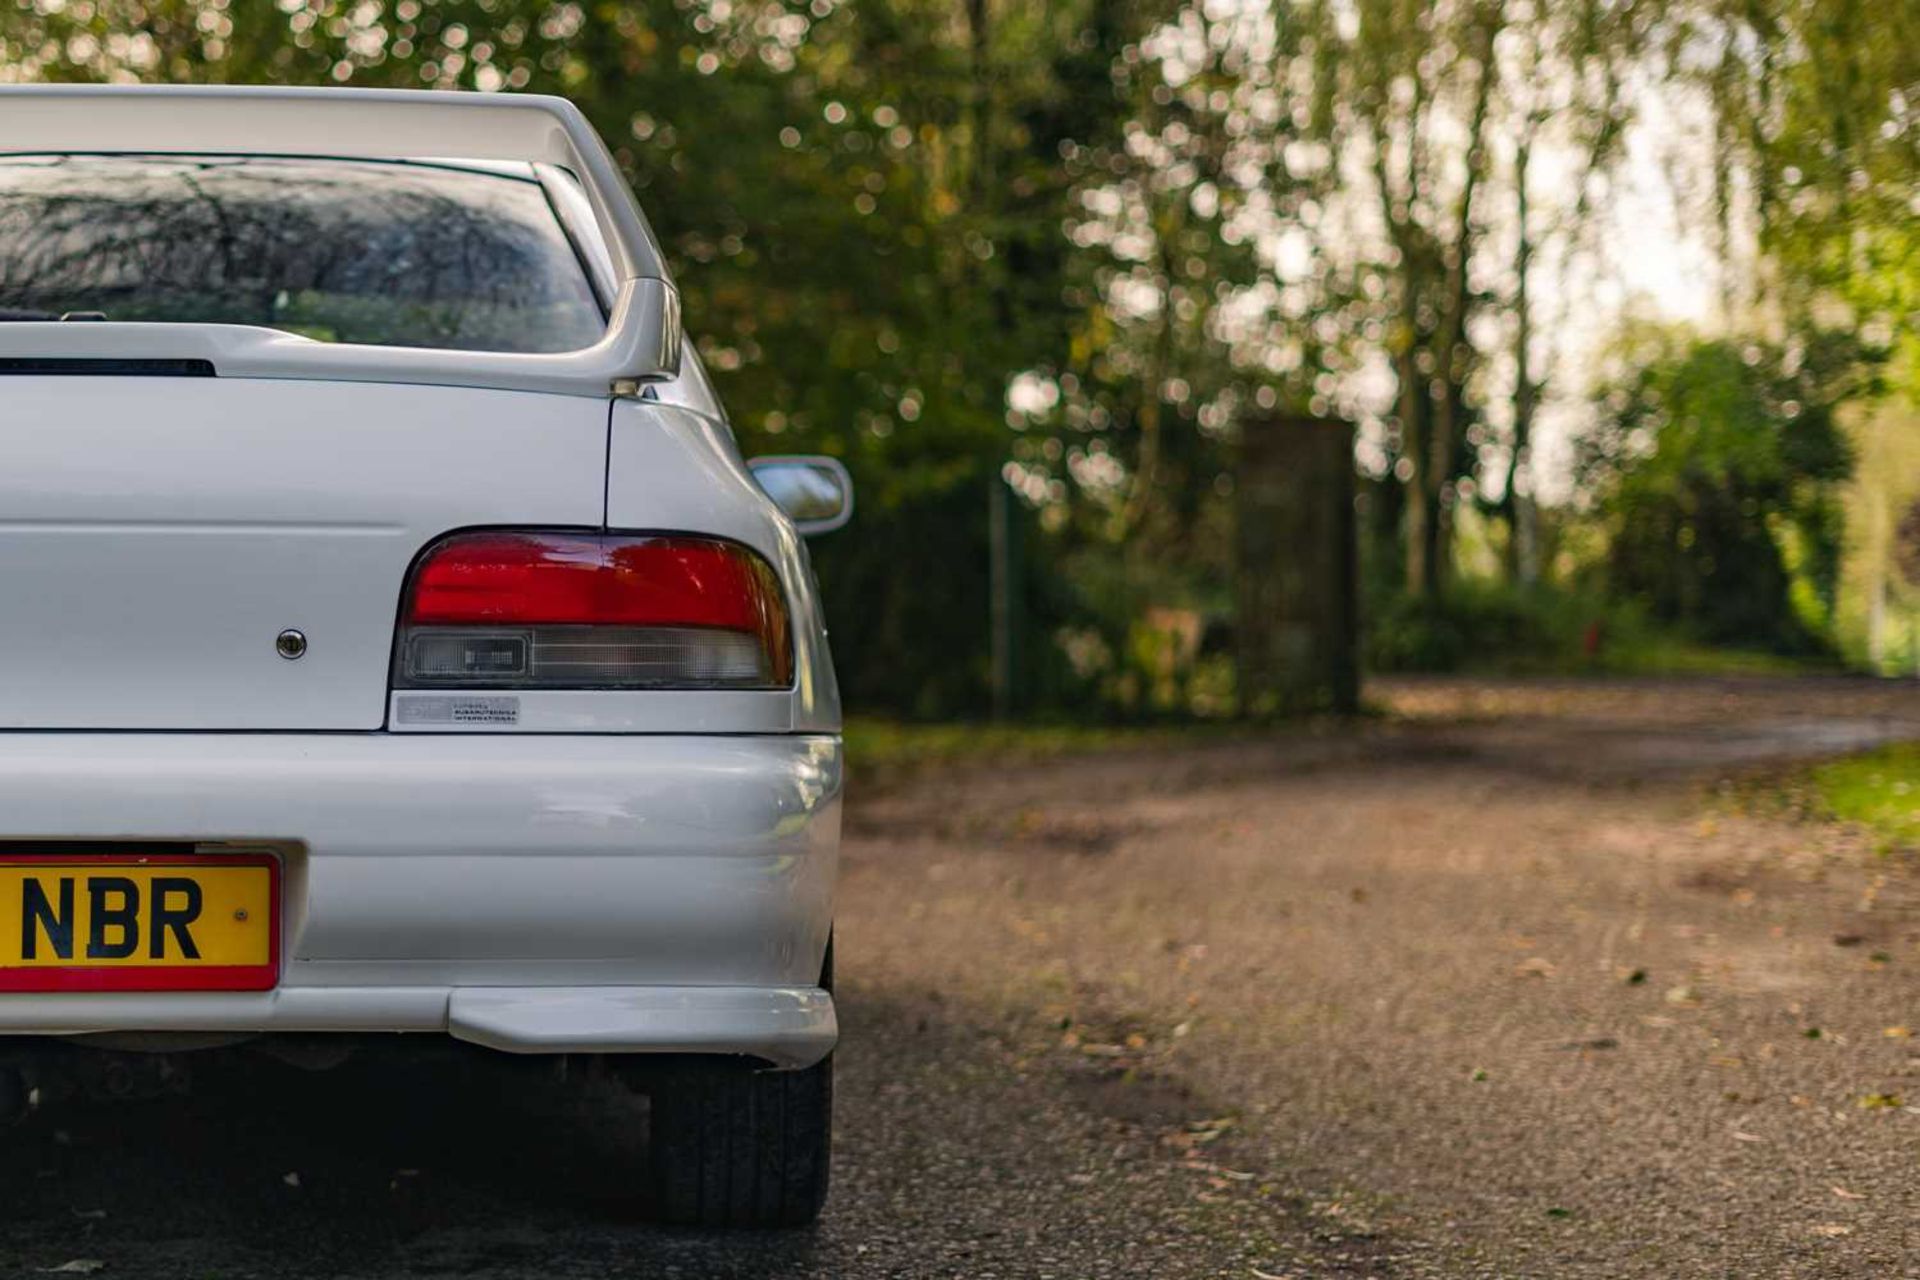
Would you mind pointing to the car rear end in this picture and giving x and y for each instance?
(396, 641)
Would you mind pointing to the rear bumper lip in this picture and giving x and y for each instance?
(788, 1027)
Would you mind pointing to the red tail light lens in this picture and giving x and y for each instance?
(593, 611)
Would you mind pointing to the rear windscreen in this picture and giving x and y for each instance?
(397, 254)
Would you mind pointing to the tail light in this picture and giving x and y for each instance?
(537, 610)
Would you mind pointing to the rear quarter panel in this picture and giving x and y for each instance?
(672, 468)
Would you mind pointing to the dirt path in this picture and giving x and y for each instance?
(1492, 989)
(1500, 990)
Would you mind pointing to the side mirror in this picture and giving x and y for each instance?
(815, 492)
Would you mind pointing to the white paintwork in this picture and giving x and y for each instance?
(423, 865)
(792, 1027)
(643, 332)
(717, 493)
(156, 534)
(632, 871)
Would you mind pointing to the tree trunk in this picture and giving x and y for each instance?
(1450, 344)
(1523, 540)
(980, 107)
(1423, 516)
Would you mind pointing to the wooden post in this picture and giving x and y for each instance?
(1295, 581)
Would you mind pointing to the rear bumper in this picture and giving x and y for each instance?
(531, 893)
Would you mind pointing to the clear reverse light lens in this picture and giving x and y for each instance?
(588, 658)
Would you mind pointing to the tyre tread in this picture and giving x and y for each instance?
(738, 1148)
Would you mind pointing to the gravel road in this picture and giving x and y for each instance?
(1497, 986)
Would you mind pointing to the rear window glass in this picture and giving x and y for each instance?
(398, 254)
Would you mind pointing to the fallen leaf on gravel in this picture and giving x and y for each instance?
(1198, 1133)
(1205, 1131)
(1870, 897)
(1879, 1101)
(77, 1267)
(1845, 1194)
(1218, 1171)
(1831, 1229)
(1897, 1033)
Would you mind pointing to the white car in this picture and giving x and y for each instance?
(392, 638)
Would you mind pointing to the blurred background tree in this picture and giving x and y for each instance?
(1816, 172)
(1062, 251)
(1716, 468)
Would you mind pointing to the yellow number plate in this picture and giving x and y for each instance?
(160, 923)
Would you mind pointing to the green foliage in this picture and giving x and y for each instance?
(1880, 791)
(1814, 104)
(880, 747)
(1817, 153)
(1474, 624)
(908, 606)
(1717, 466)
(1486, 627)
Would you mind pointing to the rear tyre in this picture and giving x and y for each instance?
(732, 1147)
